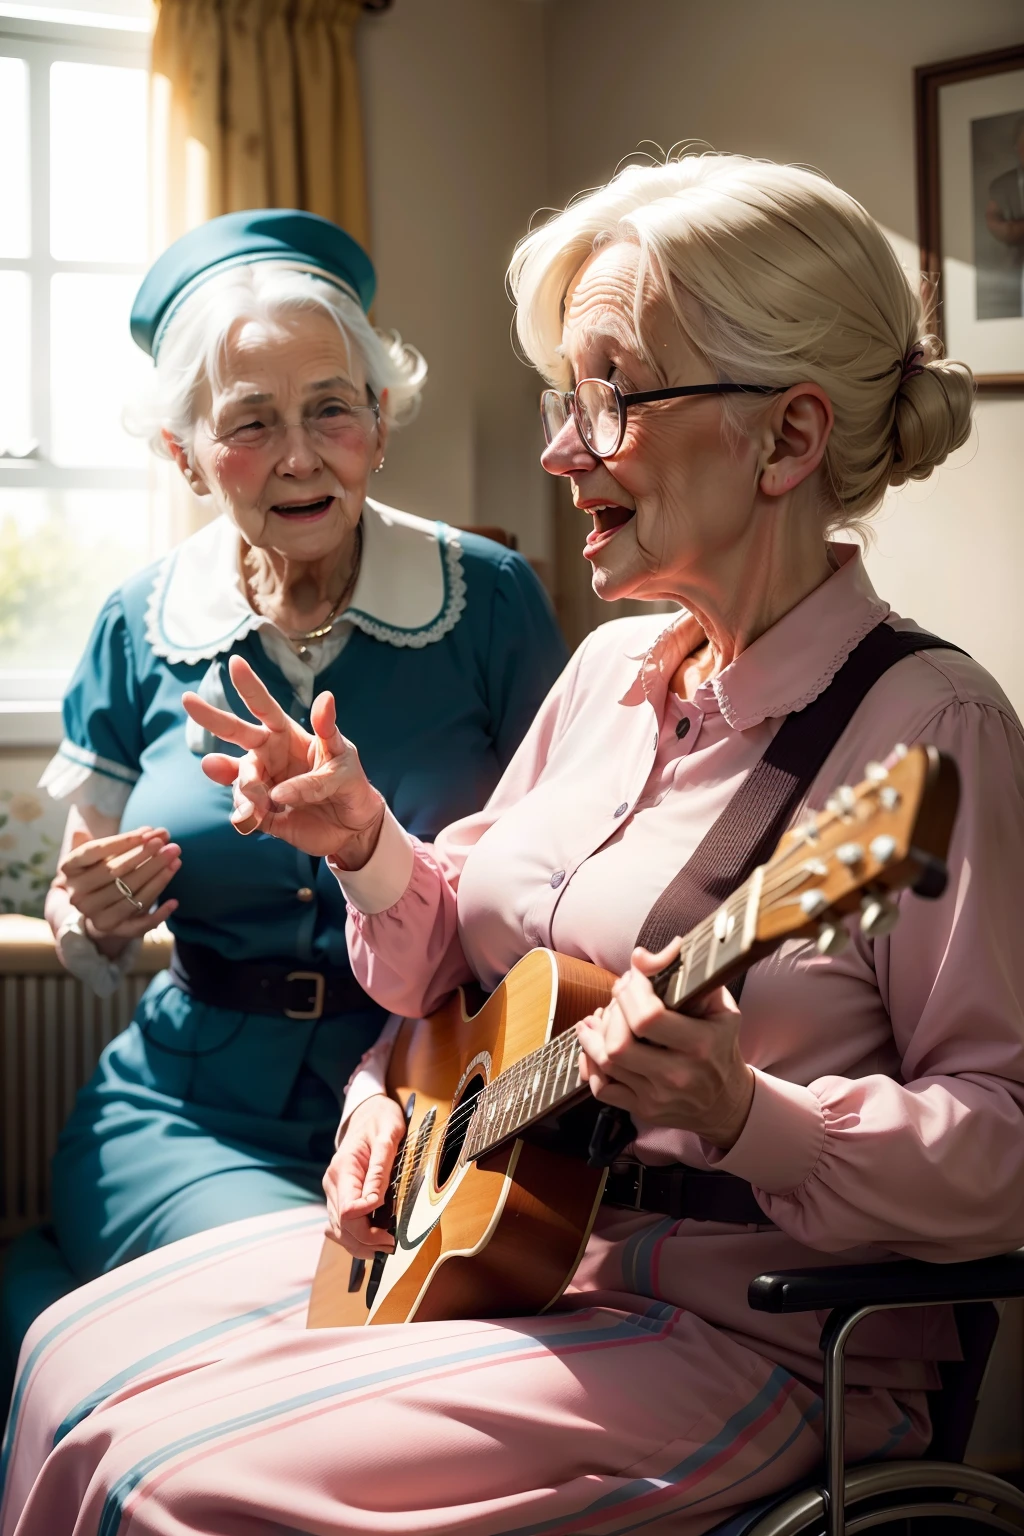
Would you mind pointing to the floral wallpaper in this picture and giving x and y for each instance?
(31, 826)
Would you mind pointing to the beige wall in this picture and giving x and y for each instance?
(456, 128)
(826, 83)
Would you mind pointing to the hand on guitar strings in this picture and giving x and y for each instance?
(308, 790)
(357, 1180)
(697, 1081)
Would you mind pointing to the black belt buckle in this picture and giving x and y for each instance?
(317, 999)
(627, 1185)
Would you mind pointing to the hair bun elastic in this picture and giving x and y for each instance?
(913, 364)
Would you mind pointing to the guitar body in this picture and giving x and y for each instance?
(500, 1237)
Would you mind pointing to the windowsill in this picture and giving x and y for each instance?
(29, 723)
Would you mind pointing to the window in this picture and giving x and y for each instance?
(77, 505)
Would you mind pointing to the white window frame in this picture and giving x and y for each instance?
(30, 700)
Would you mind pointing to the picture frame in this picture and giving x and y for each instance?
(970, 189)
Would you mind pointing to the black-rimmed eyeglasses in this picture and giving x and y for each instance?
(599, 409)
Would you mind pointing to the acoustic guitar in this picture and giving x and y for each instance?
(493, 1197)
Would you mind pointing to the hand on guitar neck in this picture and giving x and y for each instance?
(695, 1079)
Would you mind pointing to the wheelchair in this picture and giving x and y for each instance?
(937, 1495)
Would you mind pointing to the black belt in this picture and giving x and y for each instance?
(680, 1191)
(265, 986)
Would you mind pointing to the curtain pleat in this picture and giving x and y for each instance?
(261, 109)
(351, 193)
(314, 67)
(244, 120)
(280, 91)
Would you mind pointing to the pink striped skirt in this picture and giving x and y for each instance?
(182, 1394)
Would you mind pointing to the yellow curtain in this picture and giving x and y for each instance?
(256, 105)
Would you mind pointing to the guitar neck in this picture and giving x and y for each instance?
(547, 1079)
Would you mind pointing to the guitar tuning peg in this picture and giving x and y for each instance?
(876, 772)
(841, 801)
(878, 916)
(832, 939)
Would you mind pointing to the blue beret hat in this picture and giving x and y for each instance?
(303, 240)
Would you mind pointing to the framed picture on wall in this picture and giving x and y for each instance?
(970, 170)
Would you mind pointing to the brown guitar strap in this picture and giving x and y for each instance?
(747, 831)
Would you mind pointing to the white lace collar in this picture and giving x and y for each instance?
(410, 590)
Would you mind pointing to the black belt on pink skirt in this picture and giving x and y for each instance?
(292, 988)
(676, 1190)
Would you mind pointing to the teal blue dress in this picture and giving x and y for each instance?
(197, 1115)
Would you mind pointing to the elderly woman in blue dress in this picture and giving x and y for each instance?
(276, 398)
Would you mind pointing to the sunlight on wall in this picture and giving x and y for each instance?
(948, 551)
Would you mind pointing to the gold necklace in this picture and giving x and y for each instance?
(301, 640)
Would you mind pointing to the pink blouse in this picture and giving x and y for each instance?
(888, 1112)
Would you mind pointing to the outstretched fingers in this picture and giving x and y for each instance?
(221, 768)
(255, 696)
(323, 717)
(222, 724)
(332, 755)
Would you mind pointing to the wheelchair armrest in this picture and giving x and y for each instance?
(907, 1282)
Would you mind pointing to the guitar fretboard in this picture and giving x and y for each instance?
(548, 1078)
(527, 1091)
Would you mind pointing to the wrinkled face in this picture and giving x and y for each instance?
(682, 487)
(285, 442)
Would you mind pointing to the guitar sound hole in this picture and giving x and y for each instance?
(458, 1125)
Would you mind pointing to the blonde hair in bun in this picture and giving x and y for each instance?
(931, 413)
(777, 277)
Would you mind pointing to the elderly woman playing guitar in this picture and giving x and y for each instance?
(740, 372)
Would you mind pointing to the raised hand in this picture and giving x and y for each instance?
(308, 790)
(114, 881)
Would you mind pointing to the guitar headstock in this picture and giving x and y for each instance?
(891, 830)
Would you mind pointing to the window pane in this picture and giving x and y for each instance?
(61, 553)
(96, 369)
(15, 397)
(97, 163)
(14, 216)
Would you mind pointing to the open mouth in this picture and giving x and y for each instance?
(607, 522)
(299, 510)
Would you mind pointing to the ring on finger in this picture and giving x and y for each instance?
(125, 890)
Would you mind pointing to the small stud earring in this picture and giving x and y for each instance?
(378, 467)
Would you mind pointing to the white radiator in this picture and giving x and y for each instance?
(52, 1030)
